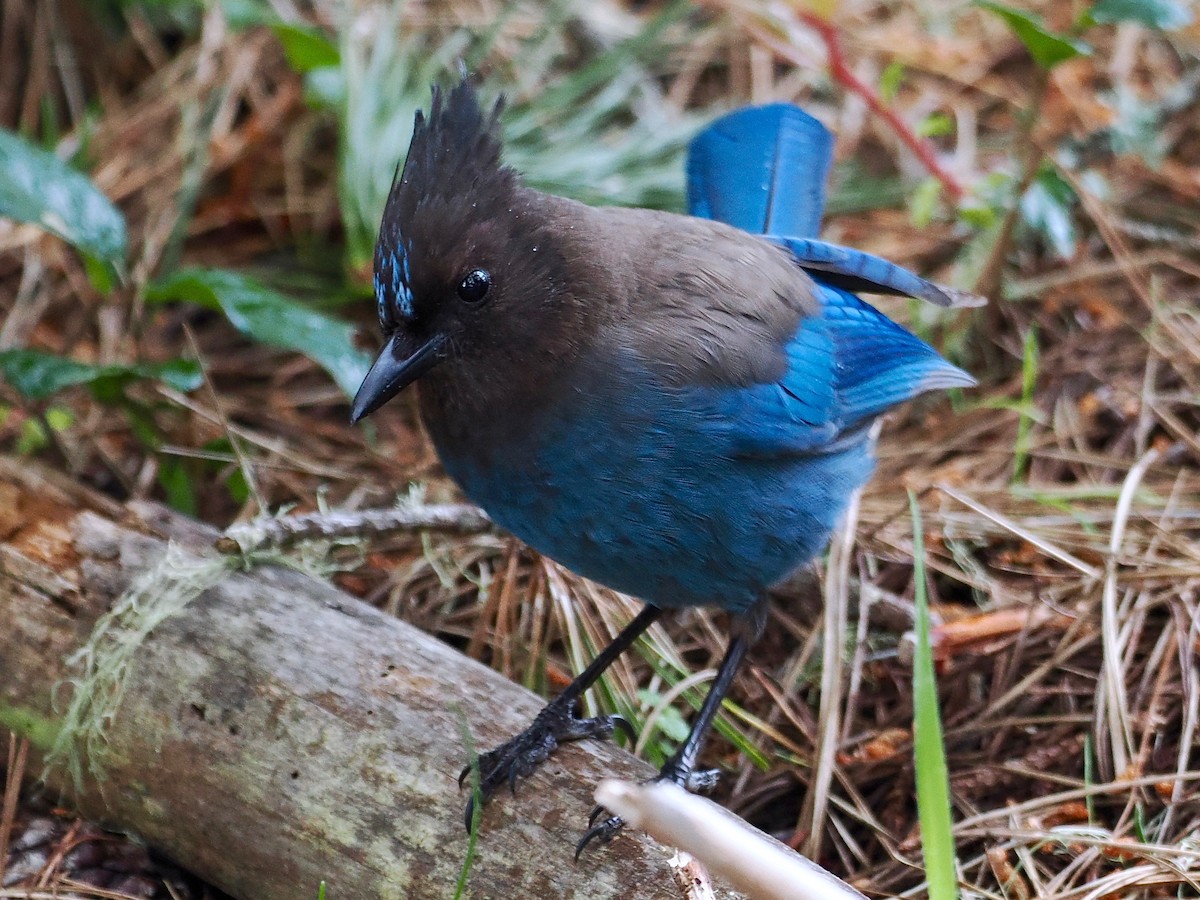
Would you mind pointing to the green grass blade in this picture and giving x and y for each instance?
(464, 873)
(929, 750)
(1026, 407)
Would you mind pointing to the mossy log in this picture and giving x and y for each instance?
(274, 732)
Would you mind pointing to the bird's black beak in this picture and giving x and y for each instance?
(401, 362)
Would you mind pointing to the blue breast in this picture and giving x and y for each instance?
(654, 491)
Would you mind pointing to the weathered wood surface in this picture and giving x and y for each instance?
(277, 732)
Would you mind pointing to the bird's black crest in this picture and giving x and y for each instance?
(456, 147)
(452, 175)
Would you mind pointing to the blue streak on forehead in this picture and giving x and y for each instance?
(401, 289)
(380, 300)
(393, 288)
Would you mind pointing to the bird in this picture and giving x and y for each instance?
(676, 406)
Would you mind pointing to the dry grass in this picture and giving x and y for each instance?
(1063, 506)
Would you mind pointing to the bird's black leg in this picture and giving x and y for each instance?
(558, 722)
(681, 767)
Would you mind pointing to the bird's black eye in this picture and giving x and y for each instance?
(475, 286)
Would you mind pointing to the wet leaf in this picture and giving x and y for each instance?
(1163, 15)
(37, 375)
(39, 188)
(1047, 48)
(271, 318)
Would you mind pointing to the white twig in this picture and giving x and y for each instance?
(749, 860)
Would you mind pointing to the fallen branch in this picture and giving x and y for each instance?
(286, 531)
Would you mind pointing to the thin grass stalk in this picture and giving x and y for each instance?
(833, 663)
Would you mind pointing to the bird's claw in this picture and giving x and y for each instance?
(620, 723)
(700, 781)
(603, 832)
(519, 757)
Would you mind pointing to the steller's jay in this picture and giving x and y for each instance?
(678, 407)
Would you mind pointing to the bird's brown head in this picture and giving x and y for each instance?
(465, 251)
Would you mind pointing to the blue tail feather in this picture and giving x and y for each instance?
(761, 169)
(854, 270)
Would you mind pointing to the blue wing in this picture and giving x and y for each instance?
(846, 367)
(763, 169)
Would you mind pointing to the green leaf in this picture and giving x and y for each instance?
(306, 48)
(271, 318)
(890, 80)
(1137, 127)
(1047, 48)
(59, 418)
(670, 720)
(180, 374)
(142, 424)
(977, 215)
(38, 187)
(37, 375)
(325, 88)
(177, 485)
(41, 732)
(33, 436)
(1164, 15)
(936, 125)
(1026, 409)
(929, 749)
(239, 490)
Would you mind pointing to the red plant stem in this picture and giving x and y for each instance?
(843, 74)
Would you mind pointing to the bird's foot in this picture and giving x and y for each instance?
(603, 827)
(558, 723)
